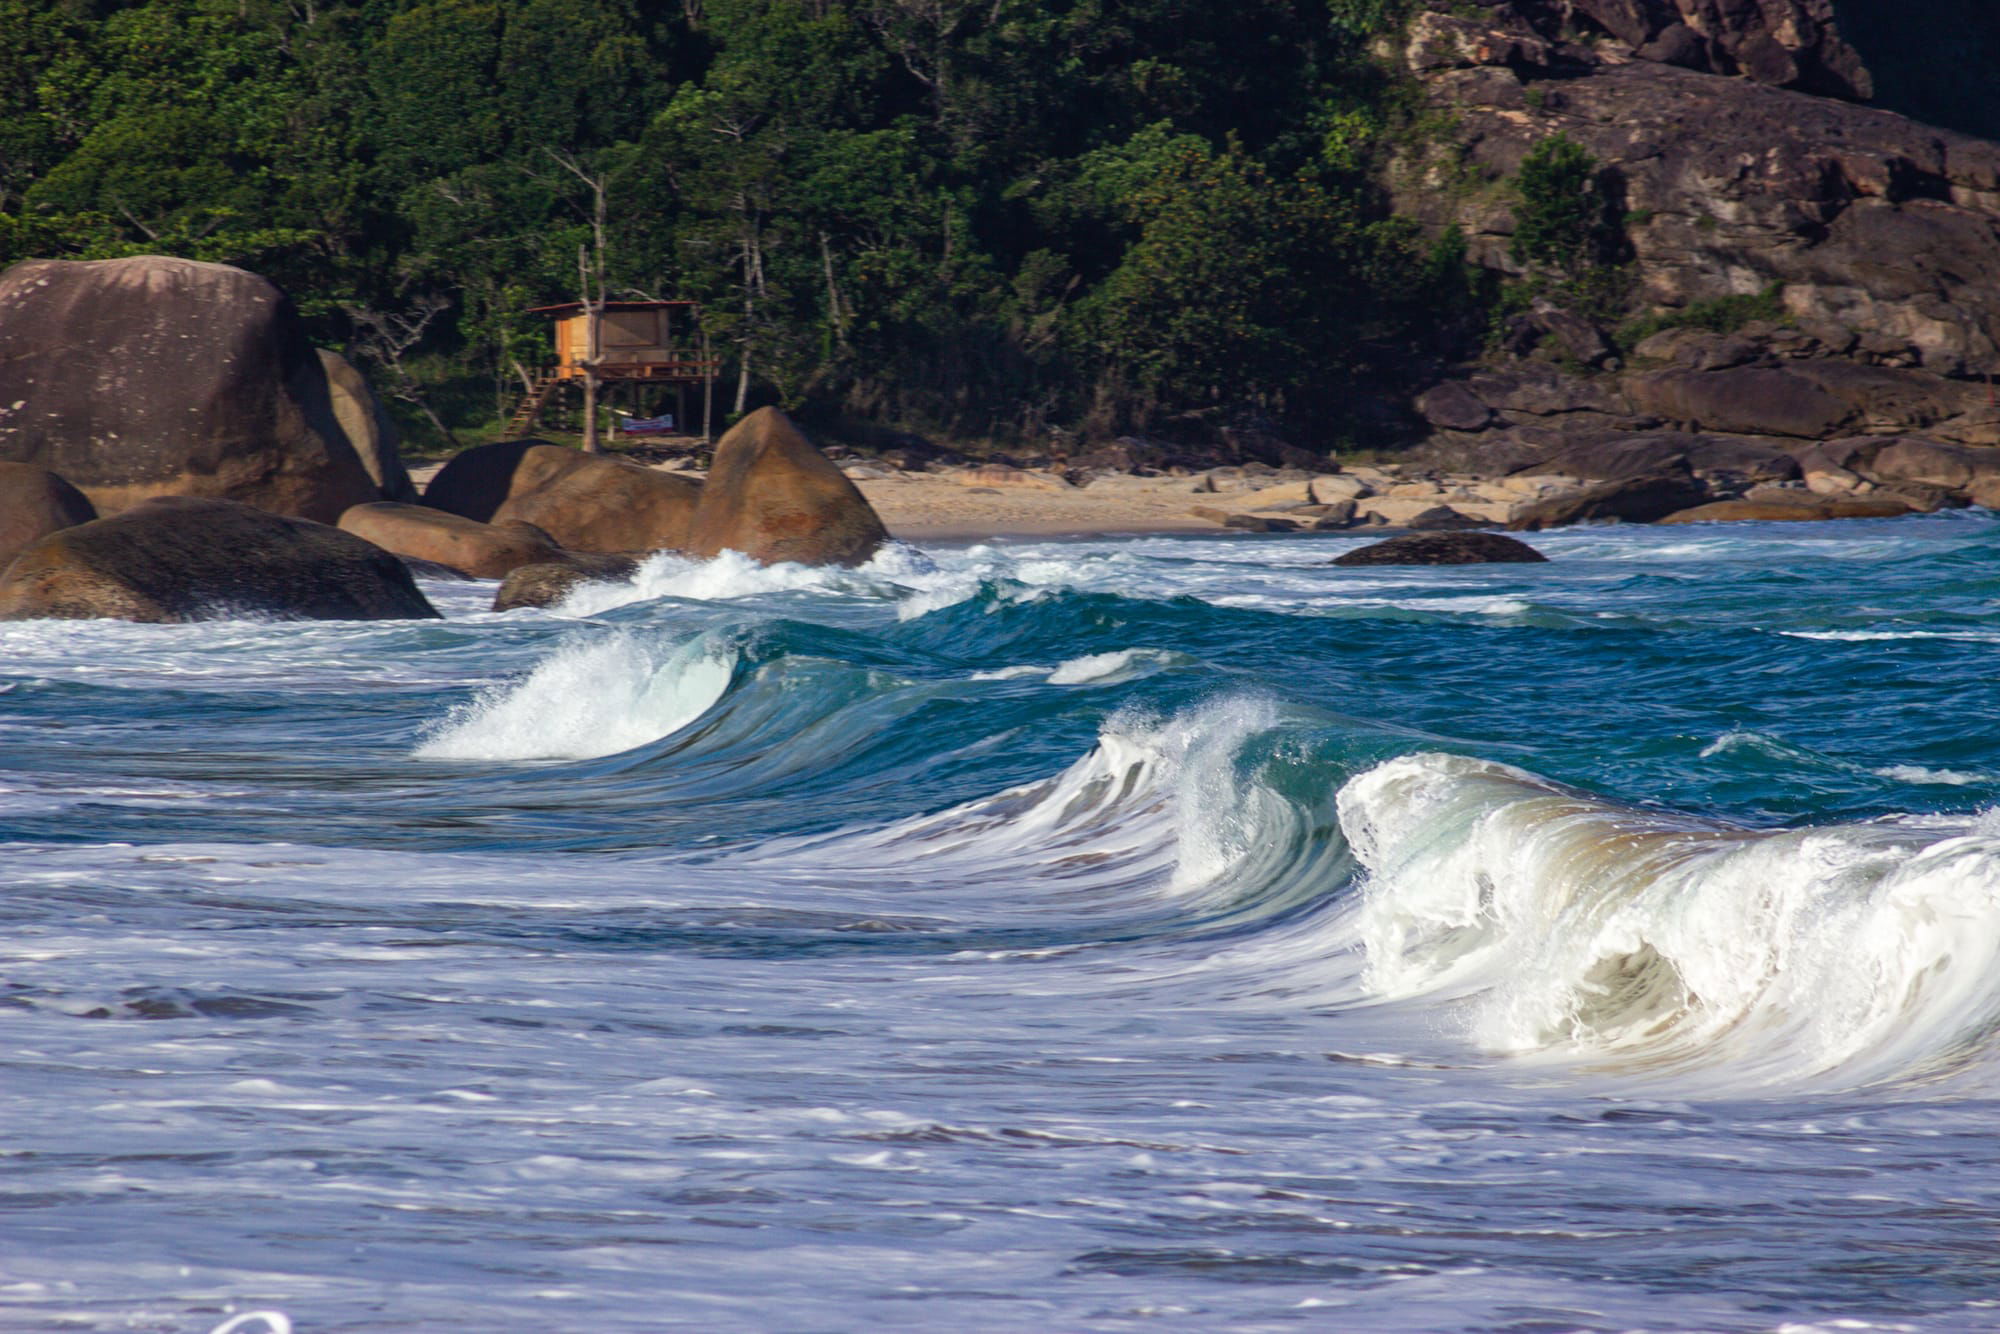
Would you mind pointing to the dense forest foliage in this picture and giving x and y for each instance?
(970, 216)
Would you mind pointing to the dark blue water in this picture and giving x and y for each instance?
(1073, 935)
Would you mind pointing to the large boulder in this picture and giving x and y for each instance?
(549, 582)
(1802, 505)
(1744, 400)
(1444, 549)
(1950, 467)
(152, 376)
(604, 504)
(34, 502)
(369, 432)
(474, 483)
(774, 497)
(482, 550)
(185, 559)
(1628, 500)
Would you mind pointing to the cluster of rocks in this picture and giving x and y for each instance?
(175, 558)
(544, 518)
(172, 447)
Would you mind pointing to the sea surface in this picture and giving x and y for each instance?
(1127, 934)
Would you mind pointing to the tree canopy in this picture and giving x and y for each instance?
(986, 217)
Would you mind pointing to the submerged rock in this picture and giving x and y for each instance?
(185, 559)
(1444, 549)
(34, 502)
(417, 532)
(774, 497)
(550, 581)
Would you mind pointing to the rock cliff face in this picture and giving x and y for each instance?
(1728, 186)
(1876, 239)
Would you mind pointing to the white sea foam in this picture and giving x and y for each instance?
(1914, 773)
(1872, 636)
(1102, 669)
(595, 696)
(1023, 672)
(1582, 927)
(896, 571)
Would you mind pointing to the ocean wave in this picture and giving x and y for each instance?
(1160, 810)
(593, 697)
(1578, 927)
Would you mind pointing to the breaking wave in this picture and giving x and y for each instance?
(1573, 926)
(594, 697)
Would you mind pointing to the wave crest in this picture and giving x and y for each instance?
(1580, 927)
(593, 697)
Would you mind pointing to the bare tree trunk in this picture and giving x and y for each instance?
(749, 320)
(590, 269)
(707, 393)
(833, 305)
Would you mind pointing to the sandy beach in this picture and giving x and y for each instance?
(936, 507)
(939, 507)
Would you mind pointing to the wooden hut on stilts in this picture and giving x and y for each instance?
(659, 344)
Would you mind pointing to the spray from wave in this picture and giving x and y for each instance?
(594, 697)
(1578, 927)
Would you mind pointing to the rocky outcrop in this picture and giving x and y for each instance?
(370, 434)
(596, 503)
(1785, 43)
(773, 497)
(548, 582)
(181, 559)
(34, 502)
(151, 376)
(482, 550)
(1859, 218)
(1444, 549)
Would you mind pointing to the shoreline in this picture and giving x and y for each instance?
(996, 503)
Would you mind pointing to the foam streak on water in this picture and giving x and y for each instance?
(1102, 935)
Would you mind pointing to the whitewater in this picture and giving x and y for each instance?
(1117, 934)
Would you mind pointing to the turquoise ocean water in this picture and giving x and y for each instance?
(1146, 933)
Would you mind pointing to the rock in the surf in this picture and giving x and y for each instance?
(1444, 549)
(152, 376)
(185, 559)
(482, 550)
(34, 502)
(609, 505)
(548, 582)
(774, 497)
(474, 483)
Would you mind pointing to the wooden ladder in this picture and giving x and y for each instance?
(540, 385)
